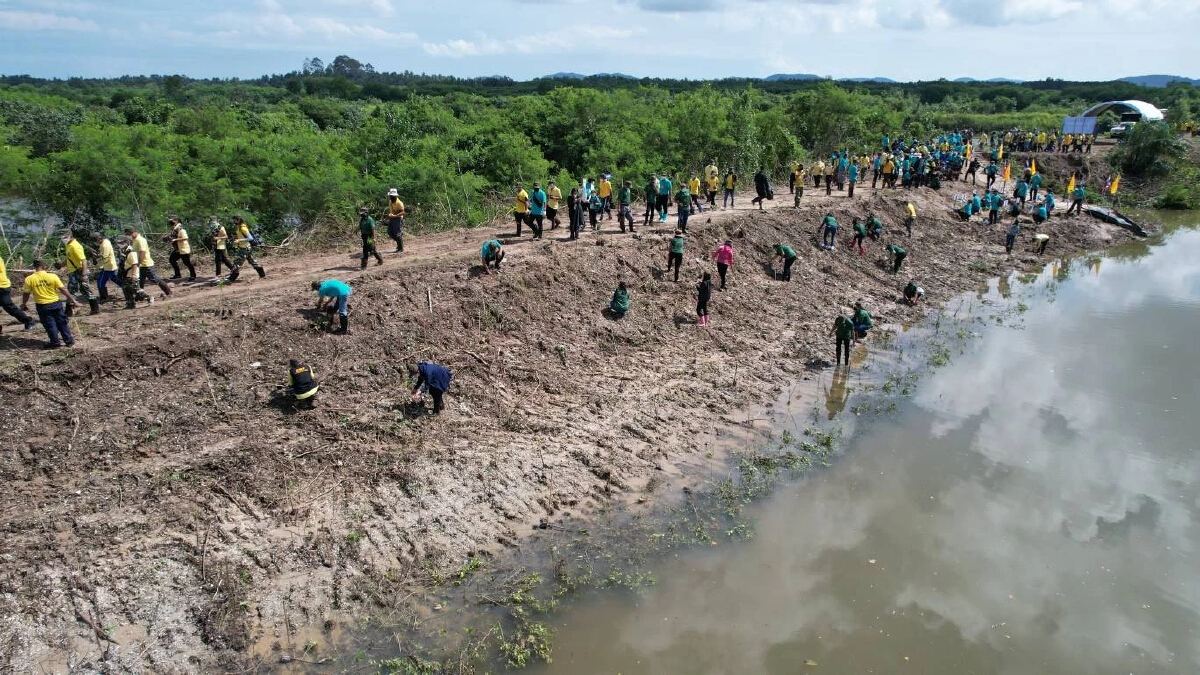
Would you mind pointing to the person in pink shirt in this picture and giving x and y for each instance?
(724, 258)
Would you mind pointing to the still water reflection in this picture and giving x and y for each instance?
(1032, 508)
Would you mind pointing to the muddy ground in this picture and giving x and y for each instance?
(163, 513)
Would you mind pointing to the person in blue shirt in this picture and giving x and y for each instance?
(1049, 203)
(1041, 215)
(492, 252)
(852, 176)
(967, 210)
(537, 209)
(432, 378)
(1077, 201)
(332, 292)
(1035, 185)
(994, 203)
(664, 197)
(1021, 191)
(976, 203)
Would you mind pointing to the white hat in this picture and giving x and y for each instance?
(393, 193)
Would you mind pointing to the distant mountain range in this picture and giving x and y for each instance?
(1141, 80)
(1159, 80)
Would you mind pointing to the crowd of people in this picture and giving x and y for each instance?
(897, 164)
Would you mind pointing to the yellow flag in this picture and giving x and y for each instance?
(1115, 185)
(1007, 172)
(1071, 184)
(1033, 167)
(1000, 154)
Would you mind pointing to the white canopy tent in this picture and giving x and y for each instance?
(1148, 111)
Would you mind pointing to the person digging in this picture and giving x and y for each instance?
(304, 384)
(432, 378)
(332, 294)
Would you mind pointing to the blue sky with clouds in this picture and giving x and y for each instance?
(700, 39)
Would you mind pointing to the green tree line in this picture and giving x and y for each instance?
(291, 150)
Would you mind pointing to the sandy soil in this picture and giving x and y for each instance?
(162, 513)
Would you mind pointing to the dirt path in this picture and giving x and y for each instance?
(165, 514)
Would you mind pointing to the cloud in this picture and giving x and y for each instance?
(29, 21)
(570, 38)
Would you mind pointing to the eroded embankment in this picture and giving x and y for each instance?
(163, 514)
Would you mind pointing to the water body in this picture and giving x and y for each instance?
(1032, 507)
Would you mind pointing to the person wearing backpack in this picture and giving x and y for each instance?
(432, 378)
(246, 241)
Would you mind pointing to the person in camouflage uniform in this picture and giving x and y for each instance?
(244, 253)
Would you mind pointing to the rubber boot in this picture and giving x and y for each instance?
(233, 275)
(261, 272)
(344, 327)
(162, 285)
(94, 304)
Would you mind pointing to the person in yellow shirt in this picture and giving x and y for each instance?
(6, 299)
(604, 189)
(107, 260)
(694, 189)
(711, 183)
(712, 173)
(220, 241)
(129, 276)
(800, 178)
(181, 249)
(521, 207)
(77, 272)
(911, 218)
(394, 215)
(553, 199)
(731, 180)
(889, 172)
(244, 253)
(818, 173)
(48, 294)
(145, 262)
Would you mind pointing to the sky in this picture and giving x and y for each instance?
(696, 39)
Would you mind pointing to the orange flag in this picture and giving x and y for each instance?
(1007, 172)
(1000, 154)
(1033, 167)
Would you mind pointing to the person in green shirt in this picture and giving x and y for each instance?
(862, 321)
(913, 293)
(624, 205)
(898, 256)
(651, 199)
(860, 234)
(683, 206)
(843, 331)
(675, 253)
(619, 304)
(788, 256)
(366, 227)
(829, 225)
(875, 226)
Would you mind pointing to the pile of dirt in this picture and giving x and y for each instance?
(165, 508)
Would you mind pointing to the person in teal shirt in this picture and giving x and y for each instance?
(1041, 215)
(537, 209)
(675, 253)
(664, 197)
(1022, 191)
(491, 253)
(876, 227)
(967, 210)
(994, 203)
(829, 227)
(1077, 201)
(977, 203)
(1049, 203)
(991, 172)
(332, 292)
(852, 177)
(1035, 185)
(898, 256)
(788, 255)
